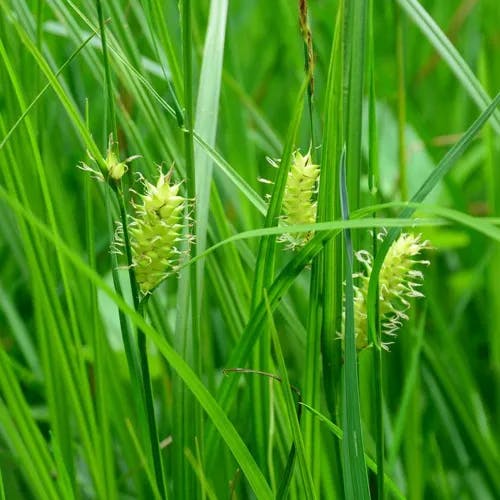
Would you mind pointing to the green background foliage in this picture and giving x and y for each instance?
(196, 392)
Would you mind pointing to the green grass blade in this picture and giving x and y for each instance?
(207, 112)
(264, 274)
(355, 476)
(451, 56)
(355, 48)
(291, 409)
(372, 465)
(329, 264)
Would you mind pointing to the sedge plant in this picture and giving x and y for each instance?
(129, 349)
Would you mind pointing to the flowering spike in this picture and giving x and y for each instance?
(155, 231)
(114, 168)
(397, 283)
(298, 204)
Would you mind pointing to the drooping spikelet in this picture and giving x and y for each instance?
(155, 231)
(398, 282)
(299, 206)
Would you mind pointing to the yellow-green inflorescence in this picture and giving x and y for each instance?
(398, 282)
(299, 205)
(155, 232)
(113, 168)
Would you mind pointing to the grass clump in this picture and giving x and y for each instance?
(112, 386)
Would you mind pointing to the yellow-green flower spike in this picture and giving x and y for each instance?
(398, 282)
(155, 231)
(114, 168)
(299, 206)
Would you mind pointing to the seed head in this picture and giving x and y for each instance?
(398, 282)
(299, 206)
(155, 232)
